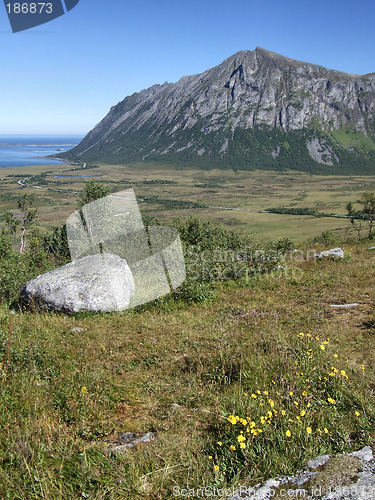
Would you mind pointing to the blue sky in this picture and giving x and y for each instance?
(62, 77)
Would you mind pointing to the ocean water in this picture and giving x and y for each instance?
(21, 150)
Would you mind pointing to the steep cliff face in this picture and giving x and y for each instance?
(257, 109)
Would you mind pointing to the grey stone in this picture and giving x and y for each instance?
(360, 486)
(364, 454)
(78, 329)
(102, 282)
(332, 252)
(344, 306)
(126, 437)
(131, 442)
(317, 462)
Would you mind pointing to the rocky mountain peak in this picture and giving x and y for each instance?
(257, 109)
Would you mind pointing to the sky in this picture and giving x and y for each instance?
(62, 77)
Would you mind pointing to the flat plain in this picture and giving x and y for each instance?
(236, 199)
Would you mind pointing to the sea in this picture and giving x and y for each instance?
(22, 150)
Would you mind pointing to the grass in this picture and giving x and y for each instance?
(180, 192)
(182, 370)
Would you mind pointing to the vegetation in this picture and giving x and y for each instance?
(243, 373)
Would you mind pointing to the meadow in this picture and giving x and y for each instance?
(244, 374)
(165, 193)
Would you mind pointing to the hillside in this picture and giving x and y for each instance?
(72, 384)
(256, 110)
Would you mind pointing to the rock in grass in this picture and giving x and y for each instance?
(129, 440)
(102, 282)
(332, 252)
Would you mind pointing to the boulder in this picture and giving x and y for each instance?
(102, 282)
(332, 252)
(339, 477)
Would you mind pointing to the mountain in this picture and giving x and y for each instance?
(256, 110)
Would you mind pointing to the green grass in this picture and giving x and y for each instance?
(180, 192)
(66, 395)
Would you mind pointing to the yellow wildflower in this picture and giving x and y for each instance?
(288, 433)
(216, 467)
(309, 430)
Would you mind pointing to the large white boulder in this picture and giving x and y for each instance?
(102, 282)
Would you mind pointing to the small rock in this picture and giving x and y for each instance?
(332, 252)
(129, 440)
(364, 454)
(344, 305)
(126, 437)
(78, 329)
(318, 461)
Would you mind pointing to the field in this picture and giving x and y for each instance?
(181, 371)
(241, 377)
(166, 193)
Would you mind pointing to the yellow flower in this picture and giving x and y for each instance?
(232, 447)
(210, 457)
(252, 425)
(258, 392)
(296, 403)
(241, 438)
(362, 366)
(335, 356)
(245, 394)
(303, 413)
(291, 393)
(242, 445)
(343, 373)
(265, 393)
(283, 412)
(304, 393)
(269, 413)
(330, 400)
(220, 443)
(271, 403)
(322, 347)
(83, 390)
(309, 430)
(288, 433)
(244, 421)
(216, 467)
(254, 396)
(326, 430)
(357, 413)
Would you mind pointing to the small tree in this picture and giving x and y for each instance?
(28, 216)
(367, 201)
(11, 222)
(92, 191)
(352, 214)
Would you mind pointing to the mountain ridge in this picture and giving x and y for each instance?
(257, 109)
